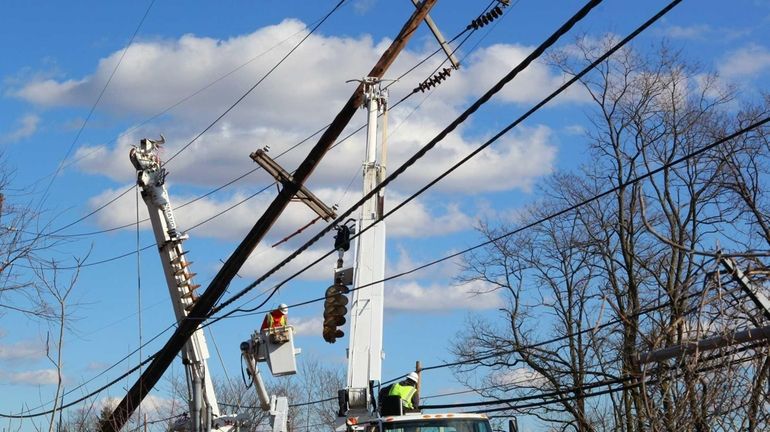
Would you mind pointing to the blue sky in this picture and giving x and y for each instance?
(58, 56)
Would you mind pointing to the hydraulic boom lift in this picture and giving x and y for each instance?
(277, 352)
(359, 409)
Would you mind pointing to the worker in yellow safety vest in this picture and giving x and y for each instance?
(407, 391)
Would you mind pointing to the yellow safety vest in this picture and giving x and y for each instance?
(404, 392)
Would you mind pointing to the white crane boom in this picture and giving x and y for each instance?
(366, 311)
(151, 177)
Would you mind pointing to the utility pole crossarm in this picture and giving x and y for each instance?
(203, 306)
(282, 176)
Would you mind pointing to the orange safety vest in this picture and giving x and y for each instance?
(274, 319)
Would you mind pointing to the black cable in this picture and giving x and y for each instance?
(267, 74)
(93, 107)
(611, 390)
(548, 394)
(106, 260)
(294, 146)
(528, 226)
(488, 95)
(114, 365)
(497, 136)
(152, 245)
(290, 406)
(77, 401)
(199, 224)
(420, 153)
(216, 120)
(254, 169)
(610, 323)
(192, 95)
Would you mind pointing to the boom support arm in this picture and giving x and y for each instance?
(276, 406)
(151, 178)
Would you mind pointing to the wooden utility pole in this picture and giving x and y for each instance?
(219, 284)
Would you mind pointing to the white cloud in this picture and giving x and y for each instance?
(695, 31)
(307, 326)
(152, 405)
(416, 220)
(436, 297)
(530, 86)
(23, 350)
(363, 6)
(163, 72)
(745, 62)
(26, 127)
(34, 377)
(97, 366)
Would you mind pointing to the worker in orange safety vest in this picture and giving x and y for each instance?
(275, 318)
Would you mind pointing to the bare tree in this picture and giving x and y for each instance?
(56, 302)
(637, 257)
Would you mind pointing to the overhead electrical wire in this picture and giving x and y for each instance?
(251, 89)
(621, 380)
(114, 365)
(641, 312)
(607, 324)
(475, 106)
(124, 255)
(294, 146)
(93, 107)
(83, 398)
(195, 93)
(257, 168)
(198, 198)
(114, 258)
(232, 106)
(576, 18)
(676, 161)
(530, 346)
(652, 172)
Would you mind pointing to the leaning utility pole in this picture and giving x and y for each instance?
(218, 285)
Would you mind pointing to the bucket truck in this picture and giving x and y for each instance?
(204, 413)
(359, 409)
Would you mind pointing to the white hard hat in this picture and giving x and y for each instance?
(412, 376)
(283, 308)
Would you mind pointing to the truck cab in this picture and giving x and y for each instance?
(455, 422)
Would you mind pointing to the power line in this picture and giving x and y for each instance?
(77, 401)
(269, 72)
(93, 107)
(641, 312)
(608, 382)
(195, 93)
(114, 365)
(466, 30)
(402, 168)
(152, 245)
(321, 21)
(606, 324)
(420, 153)
(676, 2)
(106, 260)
